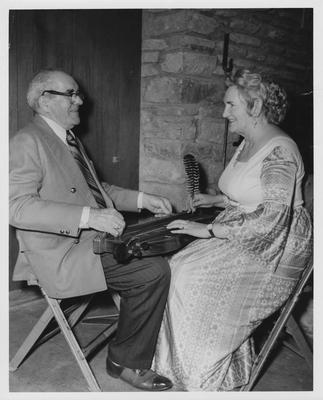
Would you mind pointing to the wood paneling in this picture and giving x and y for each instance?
(102, 50)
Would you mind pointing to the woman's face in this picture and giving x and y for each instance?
(235, 111)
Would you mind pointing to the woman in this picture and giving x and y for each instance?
(248, 261)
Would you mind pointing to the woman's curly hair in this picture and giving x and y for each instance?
(252, 86)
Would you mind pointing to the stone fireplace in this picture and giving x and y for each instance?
(183, 83)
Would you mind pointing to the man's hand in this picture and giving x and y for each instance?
(106, 220)
(156, 204)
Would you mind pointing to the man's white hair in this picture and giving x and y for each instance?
(40, 82)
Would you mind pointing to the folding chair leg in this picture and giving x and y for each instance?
(105, 319)
(72, 342)
(39, 328)
(297, 334)
(285, 319)
(267, 348)
(75, 315)
(260, 360)
(116, 299)
(31, 339)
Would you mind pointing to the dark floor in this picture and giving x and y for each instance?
(52, 368)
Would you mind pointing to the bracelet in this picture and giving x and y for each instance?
(209, 228)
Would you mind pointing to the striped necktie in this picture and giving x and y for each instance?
(79, 158)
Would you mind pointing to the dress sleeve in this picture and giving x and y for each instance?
(263, 232)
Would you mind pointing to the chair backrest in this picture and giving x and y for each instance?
(279, 324)
(302, 282)
(285, 312)
(308, 193)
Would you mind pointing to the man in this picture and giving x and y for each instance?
(57, 205)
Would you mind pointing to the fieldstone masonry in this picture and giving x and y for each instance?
(183, 84)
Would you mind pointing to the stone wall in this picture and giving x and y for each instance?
(183, 84)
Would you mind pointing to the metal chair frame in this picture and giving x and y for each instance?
(285, 320)
(66, 320)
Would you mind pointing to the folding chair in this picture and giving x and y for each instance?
(285, 321)
(66, 320)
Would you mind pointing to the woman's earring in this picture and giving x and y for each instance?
(255, 122)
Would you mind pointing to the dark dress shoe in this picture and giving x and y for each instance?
(144, 379)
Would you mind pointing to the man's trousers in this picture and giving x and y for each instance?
(143, 287)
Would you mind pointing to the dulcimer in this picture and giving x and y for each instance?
(150, 237)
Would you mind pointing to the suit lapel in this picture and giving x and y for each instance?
(72, 173)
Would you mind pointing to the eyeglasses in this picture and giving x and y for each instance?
(69, 93)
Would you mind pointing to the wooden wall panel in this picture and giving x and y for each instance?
(128, 85)
(102, 50)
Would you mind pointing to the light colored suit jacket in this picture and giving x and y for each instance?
(47, 196)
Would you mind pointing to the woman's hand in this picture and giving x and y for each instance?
(189, 207)
(212, 200)
(189, 228)
(197, 229)
(204, 200)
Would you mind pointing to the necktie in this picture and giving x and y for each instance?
(79, 158)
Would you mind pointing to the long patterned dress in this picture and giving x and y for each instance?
(222, 289)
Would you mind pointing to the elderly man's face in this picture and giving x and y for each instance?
(63, 109)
